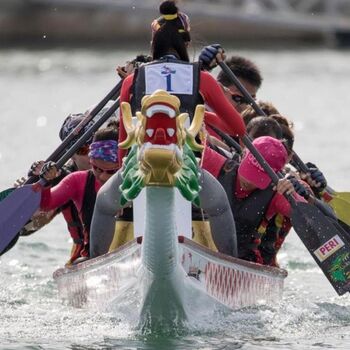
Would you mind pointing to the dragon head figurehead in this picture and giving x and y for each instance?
(161, 153)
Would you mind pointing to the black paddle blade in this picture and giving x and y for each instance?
(345, 228)
(325, 242)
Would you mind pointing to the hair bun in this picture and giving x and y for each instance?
(168, 8)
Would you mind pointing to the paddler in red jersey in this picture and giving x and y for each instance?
(171, 71)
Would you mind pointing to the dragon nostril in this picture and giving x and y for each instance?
(160, 135)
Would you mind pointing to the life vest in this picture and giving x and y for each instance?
(176, 77)
(69, 210)
(248, 212)
(87, 210)
(124, 228)
(274, 233)
(127, 214)
(79, 223)
(75, 227)
(72, 218)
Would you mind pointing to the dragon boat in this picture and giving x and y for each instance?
(169, 270)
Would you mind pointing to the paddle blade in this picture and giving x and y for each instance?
(342, 195)
(325, 242)
(15, 210)
(341, 208)
(5, 193)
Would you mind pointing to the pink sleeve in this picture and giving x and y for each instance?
(70, 188)
(280, 205)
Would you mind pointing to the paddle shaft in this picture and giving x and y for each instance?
(77, 130)
(226, 69)
(82, 140)
(300, 164)
(228, 139)
(231, 142)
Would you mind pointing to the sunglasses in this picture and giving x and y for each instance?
(83, 151)
(107, 171)
(240, 100)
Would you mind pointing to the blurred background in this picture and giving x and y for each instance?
(113, 22)
(60, 56)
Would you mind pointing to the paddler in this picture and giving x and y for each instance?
(80, 187)
(79, 161)
(244, 69)
(275, 230)
(250, 192)
(171, 71)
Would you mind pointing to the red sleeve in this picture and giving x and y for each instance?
(214, 97)
(124, 97)
(210, 119)
(212, 161)
(70, 188)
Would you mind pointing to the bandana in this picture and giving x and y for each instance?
(106, 150)
(70, 123)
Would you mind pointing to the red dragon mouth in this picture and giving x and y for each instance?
(160, 128)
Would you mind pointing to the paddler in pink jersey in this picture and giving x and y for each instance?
(82, 186)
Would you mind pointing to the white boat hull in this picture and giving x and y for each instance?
(232, 282)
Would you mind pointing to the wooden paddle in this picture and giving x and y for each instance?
(324, 240)
(20, 205)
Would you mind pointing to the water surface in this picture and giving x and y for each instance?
(39, 88)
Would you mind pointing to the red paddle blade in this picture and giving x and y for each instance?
(15, 210)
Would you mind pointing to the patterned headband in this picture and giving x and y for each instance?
(106, 150)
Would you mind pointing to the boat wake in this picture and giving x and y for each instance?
(160, 309)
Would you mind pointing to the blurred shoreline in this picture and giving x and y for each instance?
(89, 23)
